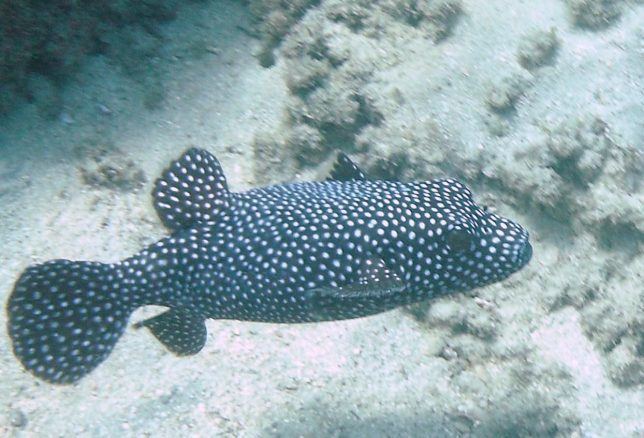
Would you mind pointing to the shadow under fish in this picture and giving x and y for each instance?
(342, 248)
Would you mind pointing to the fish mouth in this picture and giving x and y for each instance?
(525, 255)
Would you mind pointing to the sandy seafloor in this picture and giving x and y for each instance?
(554, 351)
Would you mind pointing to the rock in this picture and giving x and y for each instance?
(595, 14)
(504, 93)
(17, 418)
(538, 48)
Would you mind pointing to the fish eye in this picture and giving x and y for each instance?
(458, 240)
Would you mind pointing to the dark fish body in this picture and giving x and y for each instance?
(305, 252)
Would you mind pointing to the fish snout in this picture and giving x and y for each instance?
(525, 254)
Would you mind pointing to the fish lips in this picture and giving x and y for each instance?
(524, 255)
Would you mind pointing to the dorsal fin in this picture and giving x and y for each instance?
(346, 170)
(193, 188)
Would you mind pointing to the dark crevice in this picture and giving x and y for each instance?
(343, 137)
(620, 237)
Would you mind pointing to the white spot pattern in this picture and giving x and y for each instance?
(262, 255)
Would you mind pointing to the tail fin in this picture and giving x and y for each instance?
(65, 317)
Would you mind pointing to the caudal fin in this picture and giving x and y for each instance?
(65, 317)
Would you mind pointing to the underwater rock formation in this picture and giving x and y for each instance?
(53, 38)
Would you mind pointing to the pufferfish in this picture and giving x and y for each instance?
(343, 248)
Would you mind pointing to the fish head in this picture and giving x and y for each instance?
(471, 246)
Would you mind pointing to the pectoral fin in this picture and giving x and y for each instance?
(376, 288)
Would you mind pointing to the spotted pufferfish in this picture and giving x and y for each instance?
(343, 248)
